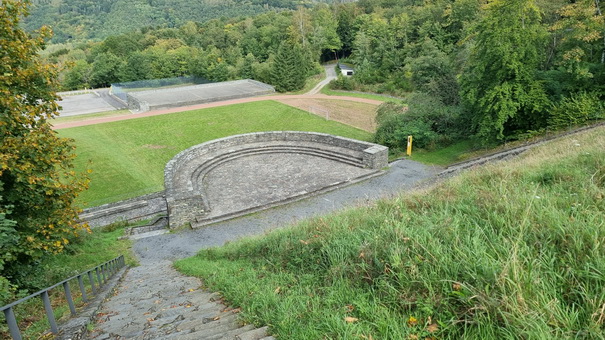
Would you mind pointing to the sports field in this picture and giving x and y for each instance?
(128, 157)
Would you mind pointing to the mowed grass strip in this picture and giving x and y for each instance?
(128, 157)
(508, 251)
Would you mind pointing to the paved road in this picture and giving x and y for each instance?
(330, 75)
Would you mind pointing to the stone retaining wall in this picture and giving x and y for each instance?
(131, 210)
(136, 101)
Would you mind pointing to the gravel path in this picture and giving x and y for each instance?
(401, 176)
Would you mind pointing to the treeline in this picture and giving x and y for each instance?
(80, 20)
(281, 48)
(494, 69)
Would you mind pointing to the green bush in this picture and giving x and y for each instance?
(427, 119)
(577, 109)
(342, 83)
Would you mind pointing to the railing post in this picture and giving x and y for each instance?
(98, 277)
(12, 323)
(70, 300)
(103, 270)
(49, 312)
(82, 289)
(92, 283)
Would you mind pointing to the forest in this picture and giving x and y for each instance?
(497, 70)
(80, 20)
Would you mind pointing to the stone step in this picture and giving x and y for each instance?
(226, 335)
(231, 335)
(213, 162)
(254, 334)
(159, 303)
(210, 161)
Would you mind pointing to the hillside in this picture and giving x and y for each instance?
(82, 20)
(507, 251)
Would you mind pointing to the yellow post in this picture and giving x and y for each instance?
(409, 152)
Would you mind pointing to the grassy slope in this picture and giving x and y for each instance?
(128, 157)
(512, 250)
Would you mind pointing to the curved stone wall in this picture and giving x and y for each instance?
(183, 175)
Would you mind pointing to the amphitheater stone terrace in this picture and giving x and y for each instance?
(237, 175)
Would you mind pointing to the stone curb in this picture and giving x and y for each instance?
(77, 328)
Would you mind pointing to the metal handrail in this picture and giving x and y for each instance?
(103, 273)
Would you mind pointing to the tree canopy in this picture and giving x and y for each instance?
(500, 84)
(37, 183)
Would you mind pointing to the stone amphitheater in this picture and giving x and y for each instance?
(234, 176)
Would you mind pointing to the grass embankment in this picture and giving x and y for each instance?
(128, 157)
(445, 156)
(512, 250)
(87, 251)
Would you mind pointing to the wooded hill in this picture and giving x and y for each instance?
(496, 69)
(79, 20)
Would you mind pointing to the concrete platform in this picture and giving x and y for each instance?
(146, 100)
(83, 104)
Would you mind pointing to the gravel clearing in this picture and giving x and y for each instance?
(402, 175)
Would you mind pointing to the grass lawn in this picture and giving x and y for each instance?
(506, 251)
(128, 157)
(444, 156)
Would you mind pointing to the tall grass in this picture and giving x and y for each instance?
(514, 250)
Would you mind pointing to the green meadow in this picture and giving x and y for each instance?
(127, 158)
(512, 250)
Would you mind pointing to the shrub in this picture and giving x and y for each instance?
(427, 119)
(577, 109)
(342, 83)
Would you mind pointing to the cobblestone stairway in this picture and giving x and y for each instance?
(157, 302)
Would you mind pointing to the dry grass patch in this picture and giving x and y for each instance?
(359, 115)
